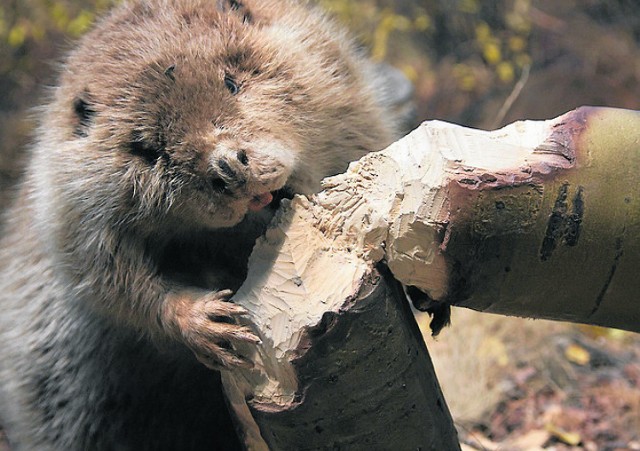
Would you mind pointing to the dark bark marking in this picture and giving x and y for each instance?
(574, 221)
(562, 227)
(555, 224)
(612, 272)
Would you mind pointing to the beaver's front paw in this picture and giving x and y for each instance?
(207, 325)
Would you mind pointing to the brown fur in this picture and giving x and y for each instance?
(171, 120)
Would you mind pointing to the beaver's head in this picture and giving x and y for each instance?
(195, 111)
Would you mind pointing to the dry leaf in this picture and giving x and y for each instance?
(531, 440)
(569, 438)
(577, 354)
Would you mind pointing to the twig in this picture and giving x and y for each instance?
(515, 93)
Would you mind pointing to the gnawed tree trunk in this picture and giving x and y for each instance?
(364, 381)
(342, 364)
(538, 219)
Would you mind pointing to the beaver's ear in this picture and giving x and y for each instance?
(145, 150)
(237, 7)
(84, 113)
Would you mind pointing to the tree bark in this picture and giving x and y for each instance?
(538, 219)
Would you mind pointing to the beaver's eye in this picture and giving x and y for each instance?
(231, 85)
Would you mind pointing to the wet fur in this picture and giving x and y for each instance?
(169, 118)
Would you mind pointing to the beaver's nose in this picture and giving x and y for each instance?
(228, 173)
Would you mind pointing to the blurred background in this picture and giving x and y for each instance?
(511, 384)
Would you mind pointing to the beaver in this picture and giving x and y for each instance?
(160, 155)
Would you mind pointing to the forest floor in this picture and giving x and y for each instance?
(521, 385)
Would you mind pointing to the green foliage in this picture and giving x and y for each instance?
(376, 21)
(23, 20)
(32, 35)
(32, 32)
(485, 41)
